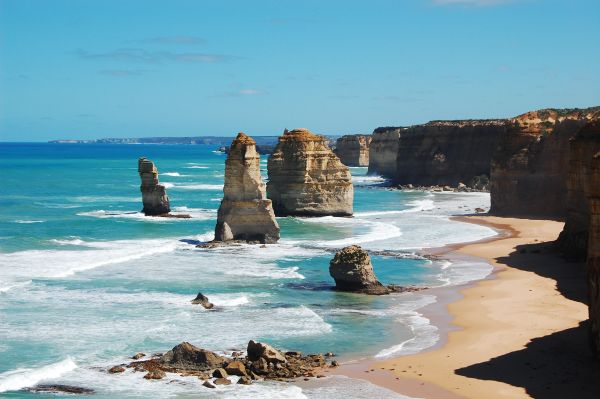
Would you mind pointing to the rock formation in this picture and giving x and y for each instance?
(383, 151)
(574, 237)
(352, 271)
(447, 153)
(189, 357)
(353, 150)
(593, 262)
(307, 179)
(202, 300)
(245, 213)
(154, 195)
(529, 167)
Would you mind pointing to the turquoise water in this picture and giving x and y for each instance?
(86, 280)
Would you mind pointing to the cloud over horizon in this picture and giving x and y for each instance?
(153, 57)
(474, 3)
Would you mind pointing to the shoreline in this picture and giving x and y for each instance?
(491, 319)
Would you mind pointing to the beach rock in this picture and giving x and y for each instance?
(245, 380)
(352, 271)
(59, 388)
(245, 212)
(530, 166)
(208, 384)
(258, 350)
(186, 356)
(138, 355)
(155, 375)
(353, 150)
(116, 369)
(306, 178)
(222, 381)
(383, 151)
(154, 195)
(573, 240)
(593, 256)
(220, 373)
(202, 300)
(236, 368)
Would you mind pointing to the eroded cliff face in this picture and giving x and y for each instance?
(383, 151)
(154, 195)
(574, 237)
(593, 262)
(529, 167)
(307, 178)
(245, 212)
(447, 152)
(353, 150)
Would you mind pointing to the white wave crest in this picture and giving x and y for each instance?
(29, 221)
(23, 378)
(174, 174)
(197, 167)
(167, 184)
(199, 186)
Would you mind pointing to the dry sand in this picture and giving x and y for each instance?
(521, 333)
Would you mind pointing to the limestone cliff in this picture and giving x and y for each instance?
(383, 151)
(353, 150)
(154, 195)
(447, 152)
(529, 167)
(307, 178)
(245, 213)
(593, 262)
(574, 237)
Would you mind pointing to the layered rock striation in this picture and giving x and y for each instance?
(574, 238)
(383, 151)
(154, 195)
(529, 167)
(593, 261)
(245, 212)
(447, 153)
(353, 150)
(306, 178)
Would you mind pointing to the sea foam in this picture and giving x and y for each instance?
(23, 378)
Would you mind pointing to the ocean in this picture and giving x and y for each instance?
(86, 280)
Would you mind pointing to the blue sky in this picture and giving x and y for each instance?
(92, 69)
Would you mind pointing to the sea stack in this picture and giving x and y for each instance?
(383, 151)
(353, 150)
(306, 178)
(352, 271)
(593, 261)
(245, 212)
(154, 195)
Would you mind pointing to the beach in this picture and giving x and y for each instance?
(518, 333)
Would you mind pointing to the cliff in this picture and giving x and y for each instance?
(307, 178)
(529, 167)
(593, 262)
(245, 213)
(154, 195)
(574, 237)
(353, 150)
(447, 152)
(383, 151)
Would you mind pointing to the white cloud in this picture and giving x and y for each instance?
(475, 3)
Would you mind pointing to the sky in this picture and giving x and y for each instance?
(91, 69)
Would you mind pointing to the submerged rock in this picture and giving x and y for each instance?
(245, 212)
(186, 356)
(352, 271)
(154, 195)
(202, 300)
(58, 388)
(306, 178)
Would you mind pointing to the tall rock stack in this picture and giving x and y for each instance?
(307, 179)
(383, 151)
(245, 213)
(154, 195)
(574, 238)
(593, 262)
(353, 150)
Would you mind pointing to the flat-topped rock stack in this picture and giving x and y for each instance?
(307, 179)
(353, 150)
(154, 195)
(383, 151)
(245, 212)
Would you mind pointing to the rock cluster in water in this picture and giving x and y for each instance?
(245, 212)
(353, 150)
(262, 362)
(307, 179)
(352, 271)
(154, 195)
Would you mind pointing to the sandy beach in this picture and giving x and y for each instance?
(519, 333)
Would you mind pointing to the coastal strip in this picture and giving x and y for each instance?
(519, 333)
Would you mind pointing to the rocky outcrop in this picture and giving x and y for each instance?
(447, 153)
(383, 151)
(574, 238)
(353, 150)
(529, 167)
(202, 300)
(245, 212)
(306, 178)
(352, 271)
(593, 261)
(186, 356)
(154, 195)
